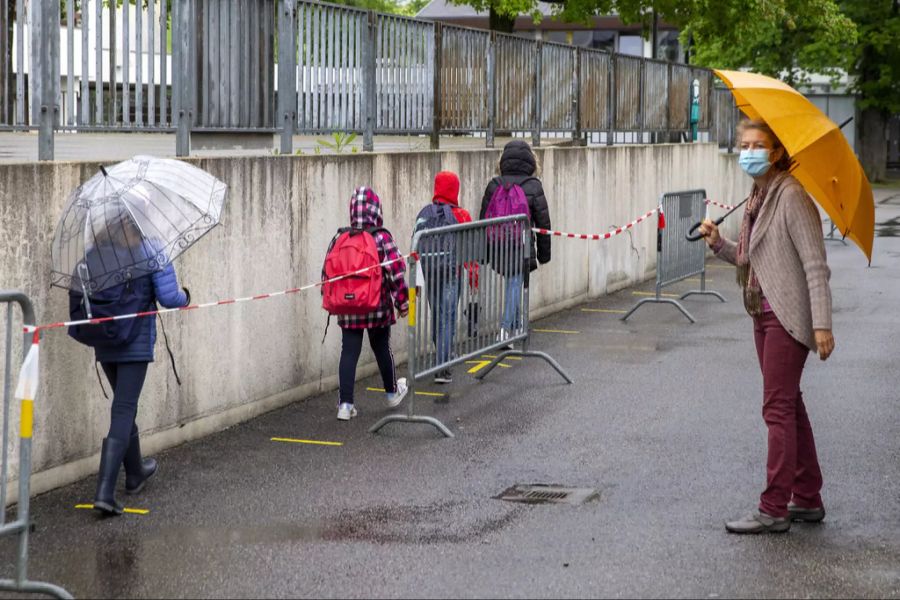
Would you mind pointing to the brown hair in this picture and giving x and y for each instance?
(785, 163)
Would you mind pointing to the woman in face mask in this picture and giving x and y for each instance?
(782, 269)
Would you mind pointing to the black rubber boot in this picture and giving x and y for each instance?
(111, 455)
(137, 468)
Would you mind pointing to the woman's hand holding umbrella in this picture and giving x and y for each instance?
(710, 232)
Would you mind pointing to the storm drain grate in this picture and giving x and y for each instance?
(541, 493)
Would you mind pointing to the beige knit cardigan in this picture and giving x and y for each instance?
(787, 252)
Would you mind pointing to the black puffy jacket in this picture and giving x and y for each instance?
(517, 165)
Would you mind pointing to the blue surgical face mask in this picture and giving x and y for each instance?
(755, 162)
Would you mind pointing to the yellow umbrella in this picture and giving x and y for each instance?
(826, 164)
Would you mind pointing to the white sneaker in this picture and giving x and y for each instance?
(397, 397)
(346, 411)
(502, 337)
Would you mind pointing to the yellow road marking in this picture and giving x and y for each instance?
(417, 393)
(313, 442)
(654, 294)
(566, 331)
(491, 356)
(130, 511)
(699, 279)
(480, 364)
(614, 311)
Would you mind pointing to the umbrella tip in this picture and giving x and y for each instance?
(103, 170)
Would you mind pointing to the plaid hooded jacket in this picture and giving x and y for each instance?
(365, 213)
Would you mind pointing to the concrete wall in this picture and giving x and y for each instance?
(239, 361)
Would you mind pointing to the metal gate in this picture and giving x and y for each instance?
(676, 258)
(21, 526)
(468, 295)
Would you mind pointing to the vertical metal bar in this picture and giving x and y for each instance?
(577, 134)
(222, 48)
(163, 63)
(287, 74)
(126, 63)
(436, 106)
(244, 55)
(234, 91)
(319, 77)
(111, 108)
(369, 57)
(48, 55)
(182, 74)
(332, 68)
(84, 116)
(358, 74)
(268, 67)
(70, 63)
(139, 64)
(492, 91)
(7, 392)
(393, 81)
(20, 62)
(641, 92)
(538, 87)
(36, 63)
(5, 60)
(151, 79)
(206, 74)
(253, 53)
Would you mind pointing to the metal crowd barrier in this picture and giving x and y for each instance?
(676, 258)
(468, 296)
(21, 527)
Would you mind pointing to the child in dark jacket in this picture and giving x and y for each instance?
(518, 166)
(443, 287)
(365, 213)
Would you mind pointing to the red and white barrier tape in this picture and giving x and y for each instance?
(725, 206)
(37, 328)
(597, 236)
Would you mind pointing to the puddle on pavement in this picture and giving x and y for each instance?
(432, 524)
(889, 228)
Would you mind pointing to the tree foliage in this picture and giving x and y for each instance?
(875, 60)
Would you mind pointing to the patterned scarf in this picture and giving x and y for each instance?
(746, 277)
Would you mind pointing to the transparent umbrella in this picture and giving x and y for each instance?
(131, 220)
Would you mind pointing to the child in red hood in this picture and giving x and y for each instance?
(442, 277)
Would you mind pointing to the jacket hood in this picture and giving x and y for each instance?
(446, 188)
(517, 159)
(365, 209)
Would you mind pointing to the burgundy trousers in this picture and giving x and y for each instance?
(793, 467)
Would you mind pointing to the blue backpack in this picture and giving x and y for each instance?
(123, 299)
(436, 252)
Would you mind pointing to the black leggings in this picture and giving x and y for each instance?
(351, 347)
(127, 380)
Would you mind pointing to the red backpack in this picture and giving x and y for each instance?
(358, 294)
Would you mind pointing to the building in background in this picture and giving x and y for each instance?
(607, 33)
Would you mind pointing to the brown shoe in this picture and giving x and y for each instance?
(805, 515)
(759, 522)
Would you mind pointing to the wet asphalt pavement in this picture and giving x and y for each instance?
(664, 418)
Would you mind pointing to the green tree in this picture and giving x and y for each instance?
(875, 65)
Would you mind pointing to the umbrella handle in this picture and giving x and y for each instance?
(692, 237)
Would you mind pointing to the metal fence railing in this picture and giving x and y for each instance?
(21, 526)
(211, 65)
(676, 257)
(469, 296)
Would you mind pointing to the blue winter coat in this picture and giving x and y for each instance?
(162, 287)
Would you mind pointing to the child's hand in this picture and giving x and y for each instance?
(404, 311)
